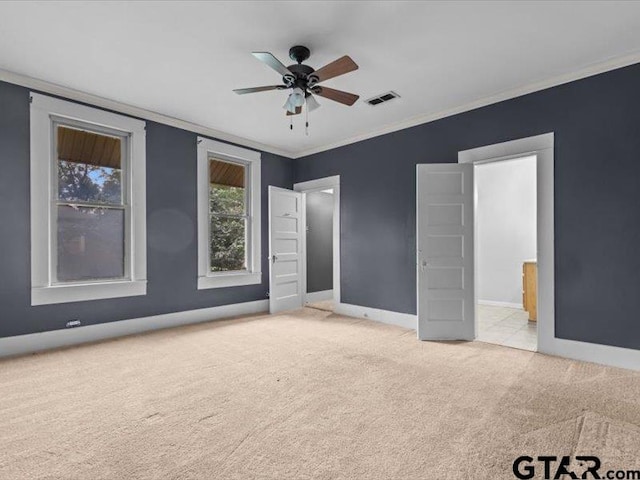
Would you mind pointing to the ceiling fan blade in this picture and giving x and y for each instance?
(339, 96)
(242, 91)
(298, 111)
(272, 61)
(337, 67)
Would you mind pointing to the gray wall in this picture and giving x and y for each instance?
(171, 223)
(319, 241)
(597, 200)
(597, 173)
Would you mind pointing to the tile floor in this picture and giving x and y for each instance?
(506, 326)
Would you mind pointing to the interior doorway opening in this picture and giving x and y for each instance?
(446, 273)
(290, 286)
(320, 242)
(506, 252)
(318, 246)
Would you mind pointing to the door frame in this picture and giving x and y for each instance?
(542, 146)
(317, 186)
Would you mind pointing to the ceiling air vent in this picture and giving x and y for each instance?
(384, 97)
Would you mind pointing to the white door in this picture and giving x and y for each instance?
(285, 249)
(446, 300)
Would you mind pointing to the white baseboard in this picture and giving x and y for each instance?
(574, 350)
(22, 344)
(591, 352)
(318, 296)
(34, 342)
(493, 303)
(405, 320)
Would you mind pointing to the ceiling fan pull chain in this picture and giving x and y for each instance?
(306, 117)
(291, 122)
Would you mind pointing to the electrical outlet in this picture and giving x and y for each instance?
(73, 323)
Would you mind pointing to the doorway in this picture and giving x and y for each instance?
(447, 277)
(318, 244)
(321, 242)
(505, 263)
(304, 245)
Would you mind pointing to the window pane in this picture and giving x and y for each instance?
(89, 167)
(90, 243)
(226, 187)
(227, 245)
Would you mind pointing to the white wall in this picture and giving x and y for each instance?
(506, 227)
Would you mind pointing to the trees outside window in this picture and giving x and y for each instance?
(228, 225)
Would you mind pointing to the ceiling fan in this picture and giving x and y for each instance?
(303, 80)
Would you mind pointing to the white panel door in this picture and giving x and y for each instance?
(446, 299)
(285, 249)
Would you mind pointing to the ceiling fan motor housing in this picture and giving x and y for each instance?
(300, 73)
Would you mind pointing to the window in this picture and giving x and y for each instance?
(87, 203)
(90, 208)
(228, 215)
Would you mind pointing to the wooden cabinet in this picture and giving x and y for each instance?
(529, 289)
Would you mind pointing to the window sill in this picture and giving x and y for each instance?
(229, 280)
(87, 291)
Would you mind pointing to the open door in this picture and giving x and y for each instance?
(445, 270)
(285, 249)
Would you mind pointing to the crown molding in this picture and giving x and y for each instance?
(591, 70)
(72, 94)
(106, 103)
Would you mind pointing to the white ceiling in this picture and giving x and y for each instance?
(183, 59)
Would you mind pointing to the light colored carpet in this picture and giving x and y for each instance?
(305, 395)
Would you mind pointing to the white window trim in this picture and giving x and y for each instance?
(43, 292)
(253, 276)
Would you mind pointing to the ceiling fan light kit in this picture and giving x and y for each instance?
(296, 99)
(303, 81)
(312, 103)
